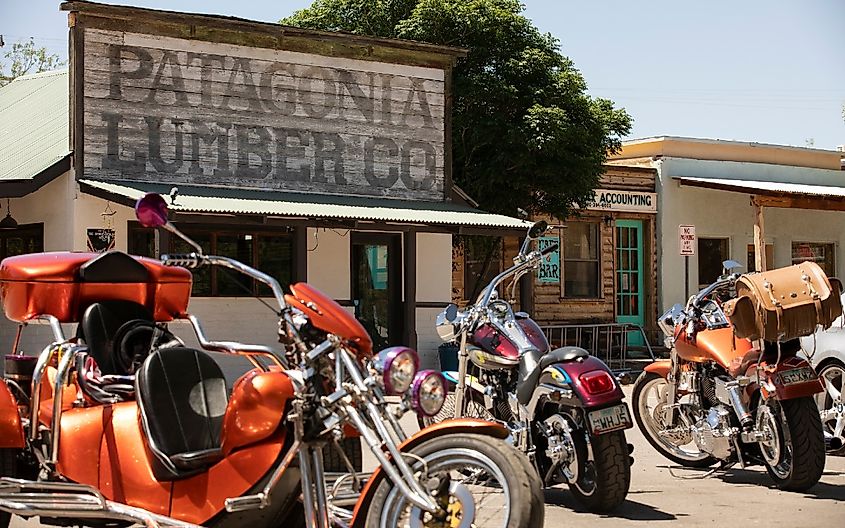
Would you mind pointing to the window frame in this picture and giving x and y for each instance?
(214, 231)
(35, 231)
(833, 249)
(496, 263)
(727, 256)
(597, 225)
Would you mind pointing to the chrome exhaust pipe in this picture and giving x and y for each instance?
(74, 501)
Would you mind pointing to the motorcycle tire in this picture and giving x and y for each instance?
(332, 460)
(795, 456)
(8, 468)
(832, 372)
(526, 508)
(641, 389)
(603, 482)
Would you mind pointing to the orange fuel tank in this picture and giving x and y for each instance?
(712, 345)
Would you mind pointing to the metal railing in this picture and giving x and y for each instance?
(610, 342)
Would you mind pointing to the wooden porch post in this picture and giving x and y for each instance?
(759, 237)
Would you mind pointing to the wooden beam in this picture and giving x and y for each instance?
(410, 283)
(793, 202)
(759, 237)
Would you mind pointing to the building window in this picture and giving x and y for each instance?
(752, 262)
(482, 262)
(270, 252)
(819, 252)
(581, 266)
(21, 240)
(711, 253)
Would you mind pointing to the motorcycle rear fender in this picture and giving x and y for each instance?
(661, 368)
(11, 430)
(782, 391)
(446, 427)
(568, 373)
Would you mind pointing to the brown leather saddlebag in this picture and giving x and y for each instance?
(784, 303)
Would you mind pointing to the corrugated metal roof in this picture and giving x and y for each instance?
(33, 124)
(300, 205)
(766, 187)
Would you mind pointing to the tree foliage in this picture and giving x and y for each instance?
(25, 58)
(525, 133)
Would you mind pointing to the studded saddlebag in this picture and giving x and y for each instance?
(784, 303)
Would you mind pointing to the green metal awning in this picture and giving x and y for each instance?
(224, 200)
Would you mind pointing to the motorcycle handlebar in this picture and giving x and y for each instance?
(188, 260)
(551, 248)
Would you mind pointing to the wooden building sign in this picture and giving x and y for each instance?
(187, 111)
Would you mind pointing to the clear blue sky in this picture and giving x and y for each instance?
(770, 71)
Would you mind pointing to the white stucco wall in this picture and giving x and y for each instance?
(67, 214)
(723, 214)
(329, 253)
(434, 268)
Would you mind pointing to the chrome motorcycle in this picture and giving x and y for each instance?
(721, 399)
(564, 408)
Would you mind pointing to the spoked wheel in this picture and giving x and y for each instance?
(488, 485)
(473, 408)
(830, 403)
(603, 479)
(793, 450)
(674, 441)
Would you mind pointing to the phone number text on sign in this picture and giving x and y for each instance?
(550, 266)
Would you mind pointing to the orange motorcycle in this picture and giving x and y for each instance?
(122, 424)
(722, 399)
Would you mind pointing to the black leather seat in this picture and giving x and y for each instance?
(117, 334)
(182, 395)
(529, 379)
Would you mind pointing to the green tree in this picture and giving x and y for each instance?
(525, 133)
(25, 58)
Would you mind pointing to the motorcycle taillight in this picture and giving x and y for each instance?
(597, 381)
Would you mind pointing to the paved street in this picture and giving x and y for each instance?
(736, 497)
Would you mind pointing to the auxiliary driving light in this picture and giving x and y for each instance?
(397, 366)
(428, 392)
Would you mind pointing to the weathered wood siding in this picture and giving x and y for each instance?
(187, 111)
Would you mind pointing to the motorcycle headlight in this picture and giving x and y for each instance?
(428, 392)
(397, 366)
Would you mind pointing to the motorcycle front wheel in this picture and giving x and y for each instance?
(650, 397)
(793, 451)
(493, 487)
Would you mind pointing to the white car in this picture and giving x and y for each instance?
(826, 351)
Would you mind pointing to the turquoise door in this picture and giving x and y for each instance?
(629, 276)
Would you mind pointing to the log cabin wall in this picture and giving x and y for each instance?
(551, 304)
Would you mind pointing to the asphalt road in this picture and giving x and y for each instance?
(737, 497)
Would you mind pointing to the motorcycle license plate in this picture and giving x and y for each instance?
(799, 375)
(610, 419)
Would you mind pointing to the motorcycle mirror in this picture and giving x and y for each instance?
(536, 230)
(451, 312)
(151, 210)
(730, 265)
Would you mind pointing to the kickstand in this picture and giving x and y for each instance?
(723, 467)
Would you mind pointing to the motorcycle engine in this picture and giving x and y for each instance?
(713, 433)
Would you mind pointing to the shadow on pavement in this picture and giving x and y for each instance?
(631, 510)
(822, 490)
